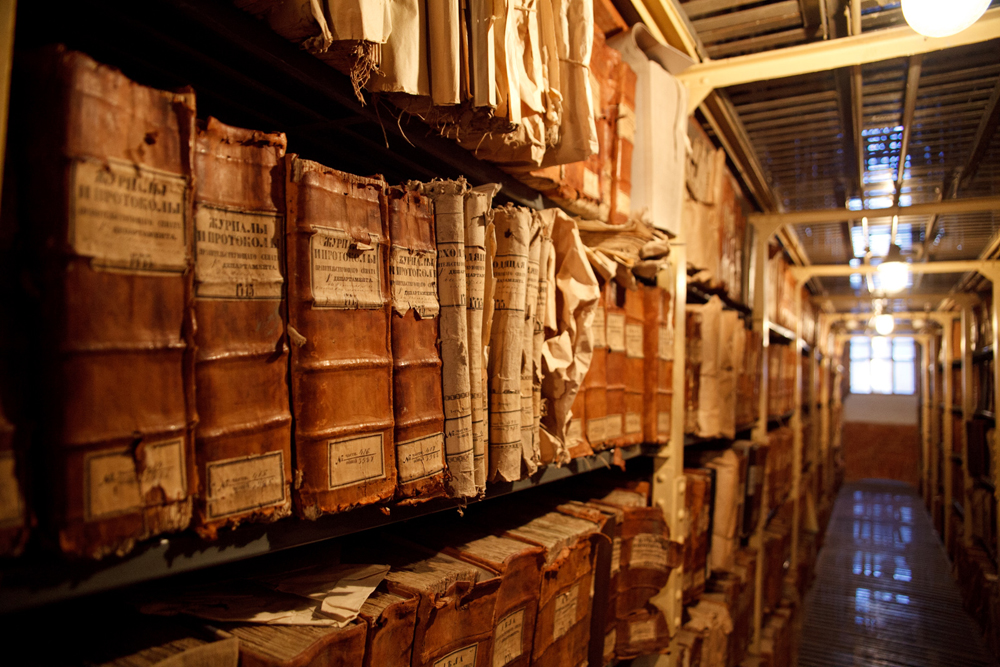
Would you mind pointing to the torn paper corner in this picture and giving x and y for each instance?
(341, 590)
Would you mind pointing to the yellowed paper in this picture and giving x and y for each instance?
(444, 23)
(565, 611)
(237, 253)
(344, 274)
(355, 460)
(508, 638)
(113, 487)
(529, 448)
(245, 483)
(413, 281)
(405, 67)
(420, 458)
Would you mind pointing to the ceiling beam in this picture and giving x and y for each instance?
(839, 301)
(909, 106)
(970, 205)
(833, 270)
(984, 135)
(822, 56)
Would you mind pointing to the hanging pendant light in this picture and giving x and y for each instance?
(884, 324)
(935, 18)
(893, 272)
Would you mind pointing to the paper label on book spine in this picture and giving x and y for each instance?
(623, 203)
(753, 477)
(642, 631)
(633, 423)
(616, 555)
(420, 458)
(663, 422)
(633, 341)
(613, 426)
(11, 501)
(112, 486)
(648, 552)
(463, 657)
(596, 430)
(244, 484)
(356, 460)
(508, 638)
(616, 332)
(610, 640)
(413, 281)
(574, 433)
(565, 611)
(345, 274)
(665, 346)
(237, 253)
(626, 123)
(128, 217)
(591, 184)
(598, 332)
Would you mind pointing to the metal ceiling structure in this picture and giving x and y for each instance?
(903, 131)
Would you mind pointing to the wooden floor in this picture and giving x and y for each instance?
(883, 593)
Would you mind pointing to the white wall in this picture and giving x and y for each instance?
(881, 408)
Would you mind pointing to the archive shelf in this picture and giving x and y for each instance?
(36, 581)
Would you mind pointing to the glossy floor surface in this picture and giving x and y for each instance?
(883, 593)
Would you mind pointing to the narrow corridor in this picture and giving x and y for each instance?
(884, 594)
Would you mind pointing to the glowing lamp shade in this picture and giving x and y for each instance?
(884, 324)
(934, 18)
(893, 272)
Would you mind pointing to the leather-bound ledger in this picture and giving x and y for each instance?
(529, 446)
(391, 619)
(243, 442)
(658, 344)
(562, 630)
(617, 364)
(449, 222)
(595, 383)
(510, 277)
(300, 645)
(635, 367)
(478, 219)
(416, 377)
(698, 506)
(543, 321)
(624, 143)
(338, 326)
(111, 257)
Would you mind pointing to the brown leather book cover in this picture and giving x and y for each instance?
(338, 325)
(520, 567)
(635, 367)
(113, 267)
(643, 632)
(658, 345)
(624, 143)
(698, 506)
(391, 619)
(416, 378)
(595, 383)
(243, 442)
(300, 645)
(617, 364)
(647, 553)
(562, 629)
(692, 369)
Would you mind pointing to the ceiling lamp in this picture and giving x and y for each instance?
(893, 272)
(934, 18)
(884, 324)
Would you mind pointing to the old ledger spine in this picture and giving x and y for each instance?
(478, 214)
(529, 447)
(635, 363)
(544, 312)
(658, 343)
(595, 384)
(416, 378)
(449, 220)
(510, 271)
(478, 217)
(116, 348)
(614, 428)
(338, 324)
(243, 442)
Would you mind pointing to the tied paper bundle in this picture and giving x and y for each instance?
(625, 251)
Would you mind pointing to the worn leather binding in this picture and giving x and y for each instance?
(624, 142)
(416, 378)
(562, 629)
(635, 368)
(647, 553)
(658, 345)
(338, 324)
(243, 443)
(617, 364)
(595, 384)
(520, 567)
(643, 632)
(698, 506)
(692, 369)
(300, 645)
(115, 346)
(756, 455)
(529, 445)
(391, 619)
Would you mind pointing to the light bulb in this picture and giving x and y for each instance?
(853, 324)
(893, 276)
(918, 324)
(934, 18)
(884, 324)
